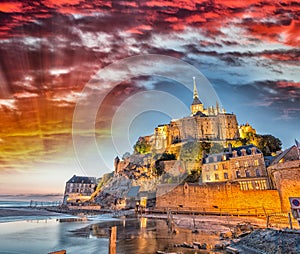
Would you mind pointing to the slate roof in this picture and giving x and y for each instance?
(219, 156)
(289, 154)
(196, 101)
(133, 191)
(82, 179)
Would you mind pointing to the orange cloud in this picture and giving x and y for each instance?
(284, 84)
(139, 29)
(55, 3)
(10, 7)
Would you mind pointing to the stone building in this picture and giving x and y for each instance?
(79, 189)
(284, 173)
(244, 165)
(204, 124)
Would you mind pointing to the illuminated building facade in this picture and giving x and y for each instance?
(244, 165)
(204, 124)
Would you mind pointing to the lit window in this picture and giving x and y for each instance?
(256, 162)
(216, 167)
(250, 185)
(257, 187)
(263, 185)
(246, 163)
(237, 164)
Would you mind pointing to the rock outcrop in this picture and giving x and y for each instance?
(272, 241)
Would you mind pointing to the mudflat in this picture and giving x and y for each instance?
(9, 212)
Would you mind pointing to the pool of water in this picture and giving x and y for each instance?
(134, 235)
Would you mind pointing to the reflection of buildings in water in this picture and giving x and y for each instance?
(183, 235)
(143, 222)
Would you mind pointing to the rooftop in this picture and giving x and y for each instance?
(82, 179)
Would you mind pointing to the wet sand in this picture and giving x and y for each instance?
(210, 224)
(11, 212)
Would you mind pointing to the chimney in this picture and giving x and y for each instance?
(243, 152)
(230, 148)
(234, 153)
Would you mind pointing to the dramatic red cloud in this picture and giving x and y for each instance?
(291, 84)
(11, 7)
(289, 34)
(293, 33)
(55, 3)
(195, 19)
(188, 5)
(235, 3)
(50, 49)
(139, 29)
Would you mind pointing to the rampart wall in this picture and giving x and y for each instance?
(216, 196)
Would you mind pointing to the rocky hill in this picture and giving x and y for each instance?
(114, 193)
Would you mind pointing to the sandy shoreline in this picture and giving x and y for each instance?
(11, 212)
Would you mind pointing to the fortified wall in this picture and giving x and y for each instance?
(286, 176)
(212, 197)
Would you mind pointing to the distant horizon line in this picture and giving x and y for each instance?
(32, 195)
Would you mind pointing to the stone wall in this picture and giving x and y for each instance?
(215, 196)
(287, 180)
(176, 167)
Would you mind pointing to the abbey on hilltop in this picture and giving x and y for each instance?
(204, 124)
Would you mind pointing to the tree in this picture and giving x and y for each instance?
(142, 146)
(191, 151)
(216, 148)
(193, 177)
(269, 144)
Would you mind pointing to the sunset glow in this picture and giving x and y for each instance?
(49, 51)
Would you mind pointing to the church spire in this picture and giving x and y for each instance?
(195, 88)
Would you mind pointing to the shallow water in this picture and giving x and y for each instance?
(134, 235)
(142, 235)
(43, 236)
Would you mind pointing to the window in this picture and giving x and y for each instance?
(257, 185)
(256, 162)
(208, 177)
(247, 173)
(216, 177)
(263, 184)
(246, 163)
(238, 174)
(257, 172)
(225, 175)
(237, 164)
(216, 167)
(244, 186)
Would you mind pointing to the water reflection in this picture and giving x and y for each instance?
(143, 235)
(134, 235)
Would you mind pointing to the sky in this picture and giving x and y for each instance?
(81, 80)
